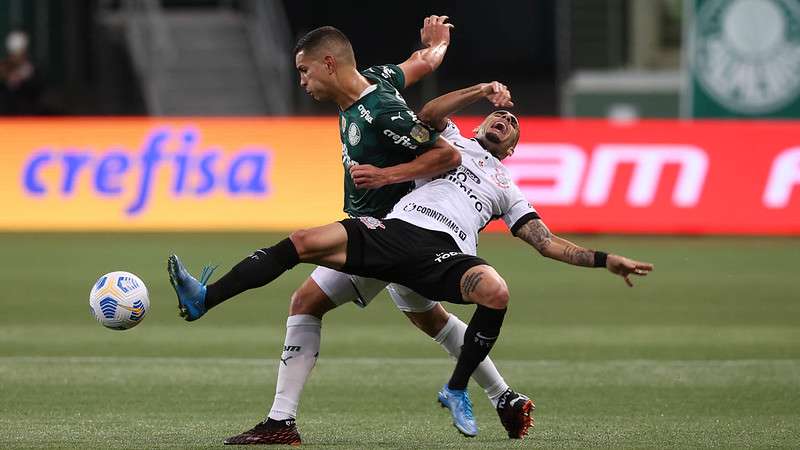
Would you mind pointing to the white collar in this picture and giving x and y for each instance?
(367, 90)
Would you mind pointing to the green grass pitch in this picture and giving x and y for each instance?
(705, 352)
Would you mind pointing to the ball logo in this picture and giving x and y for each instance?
(137, 311)
(747, 53)
(109, 307)
(353, 134)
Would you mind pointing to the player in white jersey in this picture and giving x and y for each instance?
(429, 245)
(461, 202)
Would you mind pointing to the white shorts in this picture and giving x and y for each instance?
(342, 288)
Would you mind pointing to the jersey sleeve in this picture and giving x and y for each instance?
(451, 131)
(518, 210)
(401, 130)
(391, 73)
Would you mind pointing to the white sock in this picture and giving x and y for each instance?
(451, 337)
(300, 351)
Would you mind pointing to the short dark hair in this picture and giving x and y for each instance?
(325, 36)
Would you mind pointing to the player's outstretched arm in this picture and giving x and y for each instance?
(436, 111)
(536, 233)
(435, 36)
(439, 159)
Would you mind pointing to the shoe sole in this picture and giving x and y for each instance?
(527, 419)
(441, 403)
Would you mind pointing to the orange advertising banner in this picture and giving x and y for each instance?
(159, 174)
(663, 176)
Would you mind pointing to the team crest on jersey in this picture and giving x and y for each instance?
(420, 133)
(353, 134)
(501, 180)
(372, 223)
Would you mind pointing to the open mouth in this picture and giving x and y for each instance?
(499, 126)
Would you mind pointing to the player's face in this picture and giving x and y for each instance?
(500, 131)
(314, 75)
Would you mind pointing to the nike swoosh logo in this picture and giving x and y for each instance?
(479, 335)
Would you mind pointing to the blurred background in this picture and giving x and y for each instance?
(571, 58)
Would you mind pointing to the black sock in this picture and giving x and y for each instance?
(481, 334)
(256, 270)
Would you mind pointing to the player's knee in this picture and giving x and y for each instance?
(301, 240)
(495, 295)
(302, 303)
(430, 322)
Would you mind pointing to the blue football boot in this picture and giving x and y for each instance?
(460, 406)
(191, 293)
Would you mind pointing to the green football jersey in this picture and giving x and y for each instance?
(379, 129)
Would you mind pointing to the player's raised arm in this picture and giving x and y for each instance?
(440, 158)
(435, 36)
(536, 233)
(436, 111)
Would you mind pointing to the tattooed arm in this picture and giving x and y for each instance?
(535, 233)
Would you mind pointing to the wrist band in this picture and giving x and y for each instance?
(600, 259)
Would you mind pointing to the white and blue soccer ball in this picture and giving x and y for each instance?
(119, 300)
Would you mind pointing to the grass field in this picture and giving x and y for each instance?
(703, 353)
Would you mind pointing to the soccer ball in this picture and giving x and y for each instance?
(118, 300)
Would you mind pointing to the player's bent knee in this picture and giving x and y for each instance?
(497, 298)
(495, 295)
(310, 299)
(301, 241)
(430, 322)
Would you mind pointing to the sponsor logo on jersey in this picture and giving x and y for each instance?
(420, 133)
(400, 140)
(747, 53)
(372, 223)
(292, 348)
(443, 256)
(397, 117)
(436, 215)
(459, 176)
(343, 120)
(353, 134)
(387, 72)
(346, 160)
(365, 113)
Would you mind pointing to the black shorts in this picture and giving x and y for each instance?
(395, 251)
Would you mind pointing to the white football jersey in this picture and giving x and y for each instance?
(461, 202)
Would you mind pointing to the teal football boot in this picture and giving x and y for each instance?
(191, 293)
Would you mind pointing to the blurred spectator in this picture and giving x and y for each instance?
(20, 88)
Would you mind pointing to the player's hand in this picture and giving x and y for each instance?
(366, 176)
(435, 31)
(625, 267)
(497, 93)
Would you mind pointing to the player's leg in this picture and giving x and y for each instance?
(483, 286)
(472, 281)
(514, 409)
(323, 291)
(298, 357)
(325, 245)
(448, 331)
